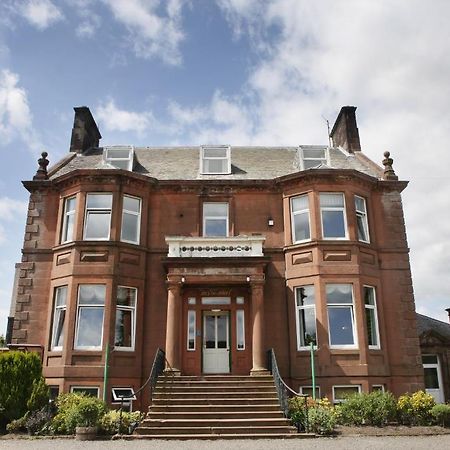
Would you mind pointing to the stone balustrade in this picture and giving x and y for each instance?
(213, 247)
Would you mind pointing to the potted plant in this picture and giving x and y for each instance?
(85, 417)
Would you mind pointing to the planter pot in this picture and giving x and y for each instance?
(85, 433)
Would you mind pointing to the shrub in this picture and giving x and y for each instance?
(415, 409)
(18, 371)
(76, 410)
(40, 395)
(441, 414)
(321, 417)
(375, 408)
(110, 422)
(38, 421)
(17, 425)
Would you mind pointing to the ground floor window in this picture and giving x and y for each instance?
(433, 377)
(125, 327)
(92, 391)
(342, 392)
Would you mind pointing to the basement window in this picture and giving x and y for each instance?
(215, 160)
(125, 393)
(120, 157)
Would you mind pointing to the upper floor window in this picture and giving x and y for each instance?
(215, 219)
(215, 160)
(300, 218)
(120, 157)
(313, 157)
(90, 311)
(332, 211)
(361, 219)
(59, 317)
(97, 222)
(370, 306)
(341, 317)
(68, 220)
(131, 219)
(305, 317)
(125, 328)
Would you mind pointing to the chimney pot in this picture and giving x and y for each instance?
(345, 130)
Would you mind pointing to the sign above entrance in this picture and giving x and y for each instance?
(216, 301)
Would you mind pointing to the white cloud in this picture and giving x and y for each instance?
(116, 119)
(388, 58)
(10, 211)
(16, 120)
(154, 27)
(41, 13)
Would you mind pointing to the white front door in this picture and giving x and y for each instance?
(216, 342)
(433, 378)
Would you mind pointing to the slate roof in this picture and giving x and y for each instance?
(248, 163)
(425, 324)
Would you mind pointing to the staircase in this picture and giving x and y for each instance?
(213, 407)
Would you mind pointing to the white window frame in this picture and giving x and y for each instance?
(89, 305)
(353, 318)
(67, 215)
(334, 208)
(341, 400)
(74, 388)
(324, 160)
(60, 309)
(375, 315)
(94, 211)
(310, 387)
(365, 221)
(297, 311)
(383, 390)
(298, 213)
(238, 330)
(191, 313)
(118, 399)
(110, 159)
(133, 310)
(132, 213)
(203, 158)
(205, 218)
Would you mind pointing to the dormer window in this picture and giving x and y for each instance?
(121, 157)
(215, 160)
(313, 156)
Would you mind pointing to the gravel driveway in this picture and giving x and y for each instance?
(341, 443)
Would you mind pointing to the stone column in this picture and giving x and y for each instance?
(259, 355)
(173, 354)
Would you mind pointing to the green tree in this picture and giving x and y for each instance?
(2, 341)
(19, 373)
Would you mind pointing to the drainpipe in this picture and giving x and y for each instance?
(313, 375)
(105, 373)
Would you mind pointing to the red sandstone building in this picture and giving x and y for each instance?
(217, 254)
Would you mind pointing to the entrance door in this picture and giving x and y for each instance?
(216, 342)
(433, 379)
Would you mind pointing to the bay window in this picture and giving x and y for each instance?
(97, 222)
(305, 317)
(370, 307)
(131, 219)
(90, 312)
(341, 318)
(59, 317)
(68, 225)
(300, 218)
(125, 326)
(332, 211)
(362, 226)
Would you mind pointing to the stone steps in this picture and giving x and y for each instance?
(212, 407)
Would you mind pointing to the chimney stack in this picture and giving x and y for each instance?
(448, 312)
(85, 132)
(345, 131)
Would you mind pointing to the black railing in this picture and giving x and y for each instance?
(158, 366)
(283, 390)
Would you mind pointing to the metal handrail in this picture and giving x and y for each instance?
(283, 390)
(158, 366)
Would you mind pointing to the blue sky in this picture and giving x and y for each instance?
(243, 72)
